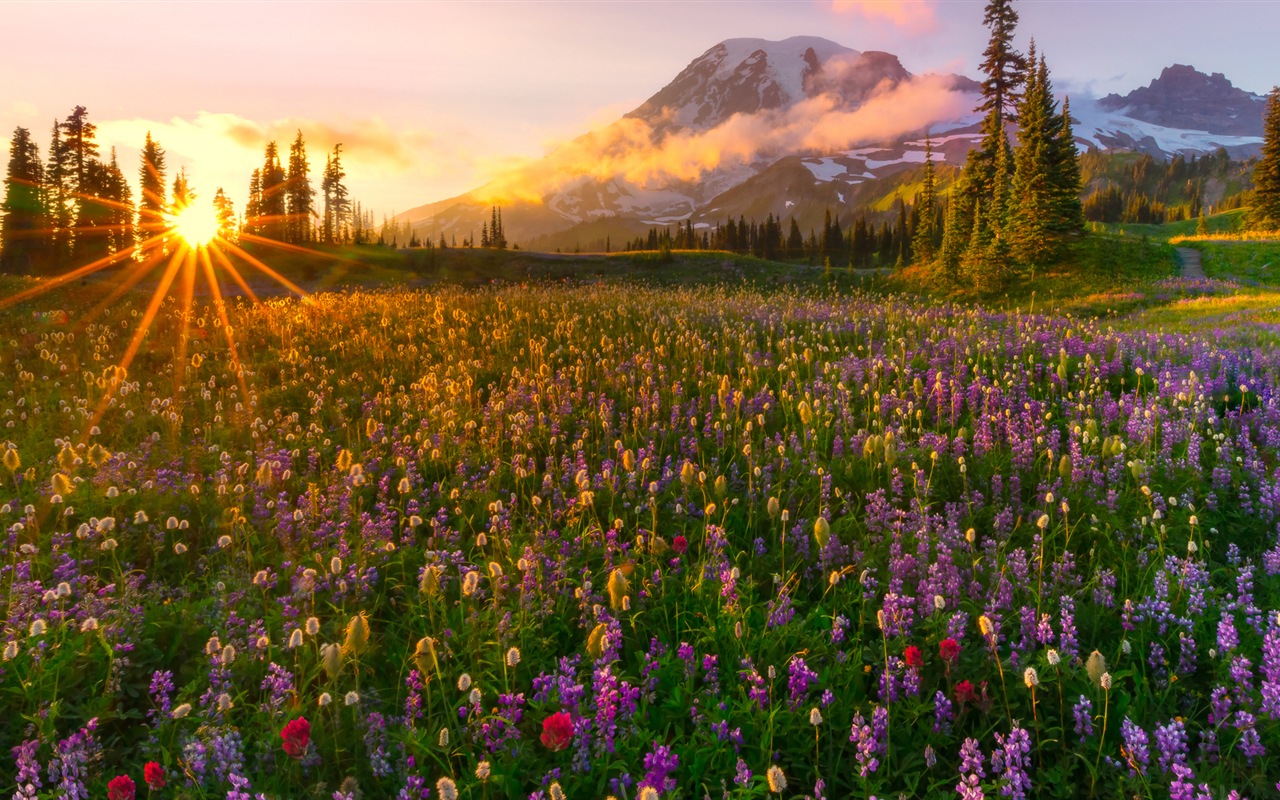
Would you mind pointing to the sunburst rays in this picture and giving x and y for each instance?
(179, 250)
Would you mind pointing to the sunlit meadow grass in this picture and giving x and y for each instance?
(640, 542)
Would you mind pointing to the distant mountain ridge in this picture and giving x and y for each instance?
(1183, 97)
(733, 134)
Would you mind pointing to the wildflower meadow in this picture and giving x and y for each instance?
(561, 541)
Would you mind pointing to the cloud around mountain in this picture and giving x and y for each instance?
(634, 150)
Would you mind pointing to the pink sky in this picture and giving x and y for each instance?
(430, 98)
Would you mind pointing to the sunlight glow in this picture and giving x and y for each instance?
(197, 224)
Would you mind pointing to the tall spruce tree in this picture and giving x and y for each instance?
(337, 204)
(1266, 173)
(951, 251)
(1003, 68)
(57, 201)
(122, 211)
(225, 213)
(182, 194)
(1034, 200)
(300, 196)
(151, 174)
(253, 207)
(272, 208)
(22, 245)
(1068, 215)
(923, 250)
(79, 148)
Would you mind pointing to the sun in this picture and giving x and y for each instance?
(197, 224)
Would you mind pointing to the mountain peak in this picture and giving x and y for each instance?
(740, 76)
(1184, 97)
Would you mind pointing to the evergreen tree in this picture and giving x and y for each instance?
(300, 197)
(104, 220)
(906, 230)
(951, 251)
(253, 208)
(226, 214)
(121, 202)
(922, 241)
(22, 246)
(795, 240)
(336, 202)
(57, 195)
(272, 208)
(151, 204)
(79, 148)
(1003, 68)
(1033, 210)
(1266, 173)
(1064, 173)
(182, 194)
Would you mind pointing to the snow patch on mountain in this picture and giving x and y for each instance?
(1108, 130)
(785, 59)
(825, 169)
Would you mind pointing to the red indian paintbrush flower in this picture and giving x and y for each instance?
(914, 657)
(153, 774)
(949, 649)
(679, 544)
(121, 787)
(557, 730)
(296, 736)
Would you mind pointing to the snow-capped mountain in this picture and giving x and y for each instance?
(795, 127)
(747, 76)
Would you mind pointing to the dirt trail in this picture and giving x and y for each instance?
(1189, 259)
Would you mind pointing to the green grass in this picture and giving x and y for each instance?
(1226, 222)
(1251, 261)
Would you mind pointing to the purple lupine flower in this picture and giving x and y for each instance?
(1250, 742)
(1083, 713)
(660, 763)
(798, 684)
(68, 768)
(1171, 745)
(28, 770)
(375, 745)
(686, 654)
(1136, 747)
(1068, 644)
(239, 787)
(1220, 705)
(943, 714)
(161, 691)
(415, 786)
(1183, 785)
(742, 774)
(757, 691)
(899, 614)
(279, 686)
(780, 611)
(1271, 672)
(865, 743)
(971, 771)
(1228, 638)
(413, 701)
(1015, 760)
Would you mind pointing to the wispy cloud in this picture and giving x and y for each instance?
(628, 149)
(913, 15)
